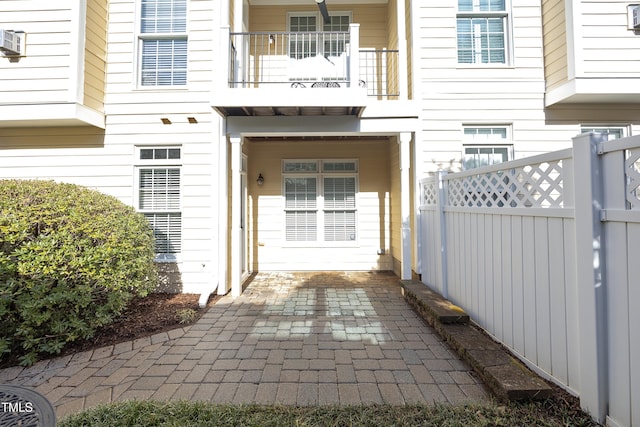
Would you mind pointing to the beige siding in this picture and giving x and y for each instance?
(95, 54)
(266, 221)
(555, 42)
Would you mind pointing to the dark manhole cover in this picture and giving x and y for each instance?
(23, 407)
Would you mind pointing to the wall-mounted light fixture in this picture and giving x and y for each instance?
(260, 179)
(272, 38)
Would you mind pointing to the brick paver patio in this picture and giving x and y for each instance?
(291, 338)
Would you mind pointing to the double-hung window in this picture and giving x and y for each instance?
(320, 200)
(484, 146)
(163, 43)
(482, 31)
(158, 196)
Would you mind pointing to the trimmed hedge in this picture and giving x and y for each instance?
(70, 261)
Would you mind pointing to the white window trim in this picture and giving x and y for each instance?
(140, 164)
(507, 14)
(625, 128)
(140, 36)
(320, 175)
(468, 142)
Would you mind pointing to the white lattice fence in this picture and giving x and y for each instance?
(538, 184)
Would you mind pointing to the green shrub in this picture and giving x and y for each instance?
(70, 260)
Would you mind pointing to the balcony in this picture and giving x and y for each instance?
(308, 73)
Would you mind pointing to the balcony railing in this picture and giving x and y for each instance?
(311, 59)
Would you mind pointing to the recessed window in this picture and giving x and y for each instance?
(158, 196)
(482, 31)
(320, 207)
(163, 43)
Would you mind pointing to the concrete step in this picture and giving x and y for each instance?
(505, 375)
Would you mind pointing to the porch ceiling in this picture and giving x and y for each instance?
(246, 111)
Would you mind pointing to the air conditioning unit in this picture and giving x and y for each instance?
(636, 17)
(11, 42)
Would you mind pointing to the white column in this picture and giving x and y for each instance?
(404, 141)
(236, 211)
(403, 67)
(223, 214)
(354, 55)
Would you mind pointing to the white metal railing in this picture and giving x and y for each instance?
(543, 253)
(311, 59)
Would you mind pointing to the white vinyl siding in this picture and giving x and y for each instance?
(159, 192)
(321, 201)
(163, 43)
(482, 32)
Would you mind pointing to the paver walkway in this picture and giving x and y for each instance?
(291, 338)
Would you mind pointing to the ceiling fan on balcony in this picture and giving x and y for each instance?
(322, 5)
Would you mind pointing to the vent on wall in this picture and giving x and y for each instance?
(11, 42)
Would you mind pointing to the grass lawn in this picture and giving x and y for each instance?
(179, 414)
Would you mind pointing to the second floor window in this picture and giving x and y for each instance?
(482, 31)
(163, 43)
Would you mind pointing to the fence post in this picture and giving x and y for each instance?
(441, 202)
(590, 264)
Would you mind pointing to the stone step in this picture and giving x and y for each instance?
(505, 375)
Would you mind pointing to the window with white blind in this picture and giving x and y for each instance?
(158, 196)
(482, 31)
(320, 200)
(163, 42)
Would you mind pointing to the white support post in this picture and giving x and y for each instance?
(354, 55)
(590, 252)
(405, 203)
(403, 67)
(223, 215)
(236, 212)
(441, 202)
(223, 78)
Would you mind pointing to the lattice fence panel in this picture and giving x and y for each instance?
(428, 192)
(538, 186)
(632, 167)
